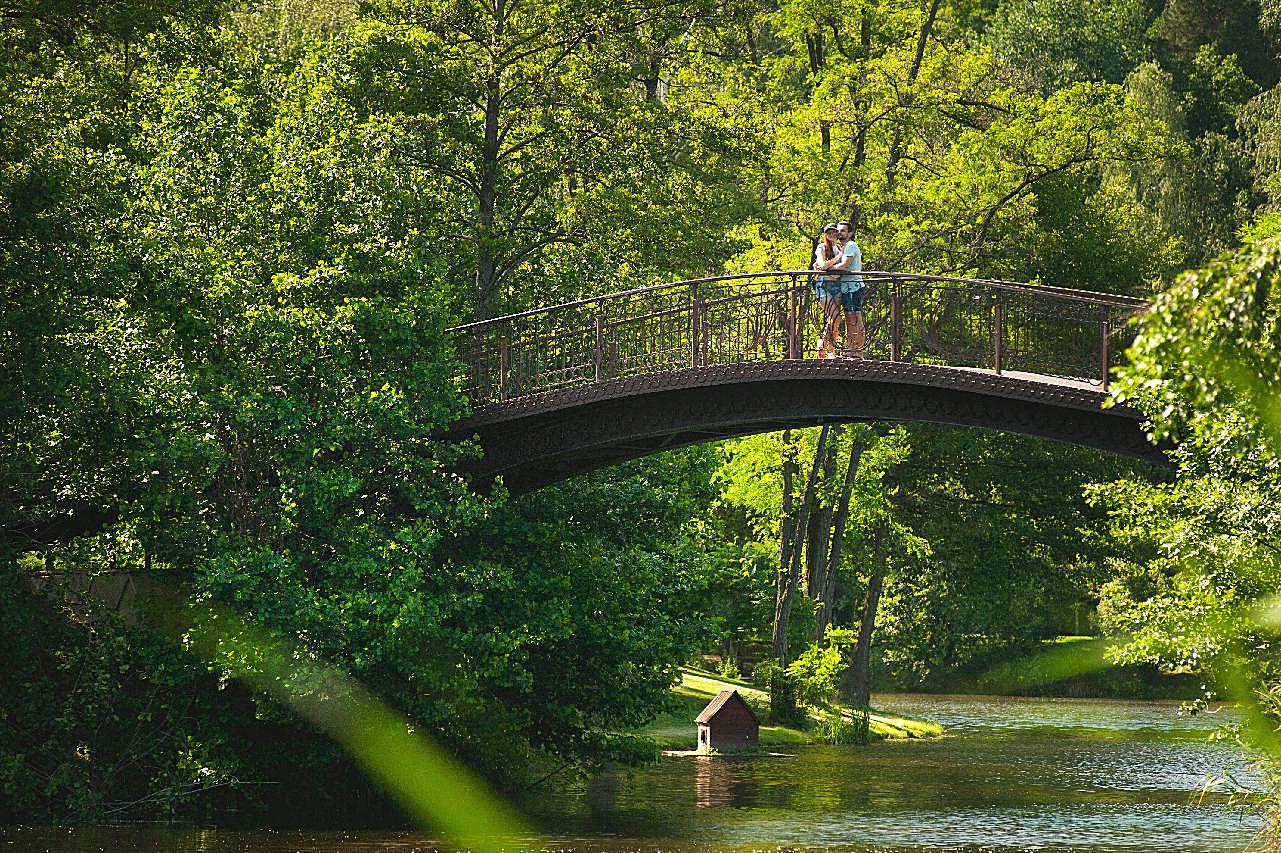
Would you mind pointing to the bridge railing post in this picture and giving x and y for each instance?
(793, 319)
(1104, 340)
(504, 365)
(695, 326)
(998, 334)
(896, 320)
(481, 370)
(598, 354)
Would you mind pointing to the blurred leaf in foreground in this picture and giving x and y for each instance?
(434, 788)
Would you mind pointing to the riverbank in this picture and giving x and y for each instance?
(676, 730)
(1071, 666)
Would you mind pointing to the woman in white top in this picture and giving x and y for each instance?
(827, 287)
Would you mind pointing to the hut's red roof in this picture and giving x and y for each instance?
(714, 707)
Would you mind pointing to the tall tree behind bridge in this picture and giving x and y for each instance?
(914, 130)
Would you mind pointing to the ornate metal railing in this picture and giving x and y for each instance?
(771, 316)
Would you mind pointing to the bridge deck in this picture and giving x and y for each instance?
(1041, 379)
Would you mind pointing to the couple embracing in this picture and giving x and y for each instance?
(839, 289)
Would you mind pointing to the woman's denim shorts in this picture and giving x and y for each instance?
(830, 288)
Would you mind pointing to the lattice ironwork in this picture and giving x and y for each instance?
(774, 316)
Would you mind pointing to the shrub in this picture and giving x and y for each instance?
(763, 673)
(836, 728)
(816, 672)
(783, 706)
(729, 668)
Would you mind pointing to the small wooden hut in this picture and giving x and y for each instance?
(728, 723)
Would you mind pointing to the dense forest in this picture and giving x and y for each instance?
(233, 234)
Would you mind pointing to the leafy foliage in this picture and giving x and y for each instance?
(1205, 370)
(232, 238)
(227, 333)
(1065, 41)
(1007, 522)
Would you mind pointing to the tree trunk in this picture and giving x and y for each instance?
(653, 81)
(486, 268)
(785, 587)
(817, 51)
(922, 38)
(487, 183)
(860, 157)
(856, 684)
(826, 607)
(860, 136)
(808, 498)
(789, 581)
(828, 591)
(820, 530)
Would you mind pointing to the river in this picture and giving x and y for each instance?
(1012, 774)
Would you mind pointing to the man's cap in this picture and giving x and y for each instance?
(831, 226)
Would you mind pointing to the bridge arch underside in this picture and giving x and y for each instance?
(538, 440)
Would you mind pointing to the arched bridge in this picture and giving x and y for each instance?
(562, 390)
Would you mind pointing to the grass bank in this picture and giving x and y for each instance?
(676, 730)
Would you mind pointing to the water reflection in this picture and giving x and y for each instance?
(720, 781)
(602, 792)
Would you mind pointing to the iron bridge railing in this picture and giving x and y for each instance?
(772, 316)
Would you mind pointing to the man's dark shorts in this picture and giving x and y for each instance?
(853, 302)
(830, 288)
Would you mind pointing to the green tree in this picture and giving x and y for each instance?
(1060, 42)
(1246, 30)
(549, 135)
(1007, 521)
(238, 355)
(1196, 592)
(926, 141)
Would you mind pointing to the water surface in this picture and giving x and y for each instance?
(1011, 775)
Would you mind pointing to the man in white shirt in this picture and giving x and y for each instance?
(853, 289)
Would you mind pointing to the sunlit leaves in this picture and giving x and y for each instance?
(938, 155)
(1205, 364)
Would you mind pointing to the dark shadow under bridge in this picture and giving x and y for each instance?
(563, 390)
